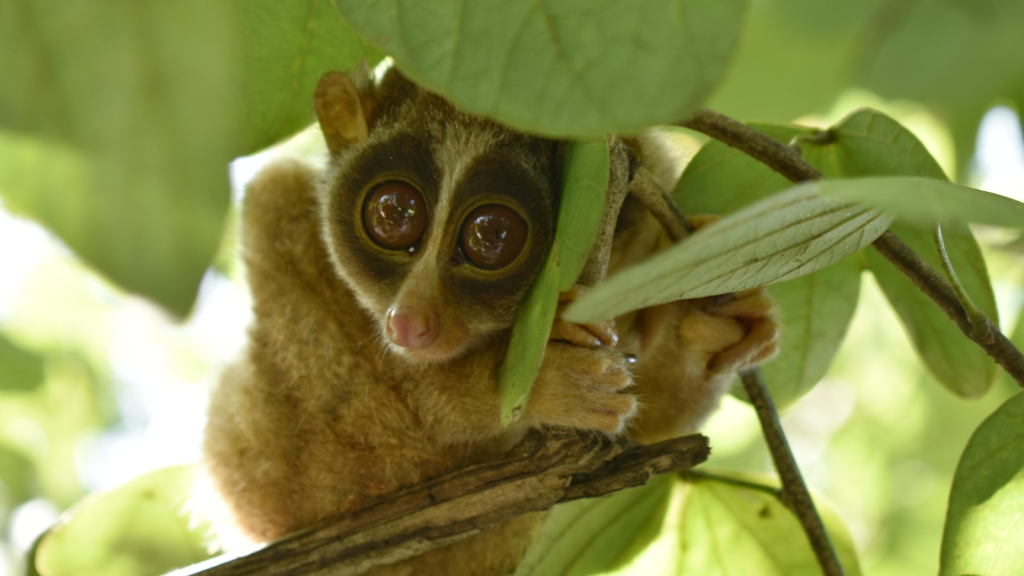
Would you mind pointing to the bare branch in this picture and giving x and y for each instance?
(787, 162)
(539, 473)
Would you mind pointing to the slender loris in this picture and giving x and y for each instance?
(384, 291)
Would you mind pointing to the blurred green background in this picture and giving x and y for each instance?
(97, 386)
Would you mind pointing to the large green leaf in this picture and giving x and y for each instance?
(869, 143)
(814, 311)
(139, 529)
(559, 67)
(20, 369)
(708, 525)
(781, 237)
(117, 119)
(286, 47)
(984, 531)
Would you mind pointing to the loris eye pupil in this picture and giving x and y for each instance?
(395, 215)
(493, 236)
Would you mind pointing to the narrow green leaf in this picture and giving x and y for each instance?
(21, 370)
(559, 67)
(286, 47)
(529, 341)
(984, 531)
(925, 201)
(814, 312)
(139, 529)
(869, 143)
(118, 120)
(781, 237)
(584, 186)
(595, 536)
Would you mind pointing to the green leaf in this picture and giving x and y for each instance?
(708, 525)
(781, 237)
(814, 313)
(139, 529)
(17, 476)
(869, 143)
(592, 536)
(584, 186)
(559, 67)
(984, 531)
(286, 47)
(117, 120)
(20, 369)
(529, 341)
(925, 201)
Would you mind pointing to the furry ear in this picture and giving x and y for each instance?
(340, 110)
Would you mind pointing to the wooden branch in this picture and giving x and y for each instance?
(794, 492)
(622, 165)
(543, 470)
(657, 201)
(787, 162)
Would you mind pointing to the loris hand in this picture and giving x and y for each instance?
(734, 331)
(582, 380)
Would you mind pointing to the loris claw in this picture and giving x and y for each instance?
(590, 335)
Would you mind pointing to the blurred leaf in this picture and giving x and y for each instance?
(959, 57)
(560, 67)
(925, 201)
(984, 533)
(286, 48)
(20, 369)
(781, 237)
(17, 476)
(707, 524)
(139, 529)
(584, 186)
(118, 121)
(594, 536)
(813, 311)
(793, 59)
(869, 143)
(529, 340)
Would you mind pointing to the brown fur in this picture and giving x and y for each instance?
(321, 416)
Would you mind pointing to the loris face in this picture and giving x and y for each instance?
(438, 221)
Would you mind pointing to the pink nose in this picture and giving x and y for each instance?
(410, 330)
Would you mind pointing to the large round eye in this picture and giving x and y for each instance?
(493, 236)
(395, 215)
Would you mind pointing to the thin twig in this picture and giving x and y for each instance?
(794, 491)
(543, 471)
(654, 198)
(788, 163)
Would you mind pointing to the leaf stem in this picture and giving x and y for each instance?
(788, 163)
(980, 328)
(794, 493)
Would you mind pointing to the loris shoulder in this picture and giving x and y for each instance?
(384, 291)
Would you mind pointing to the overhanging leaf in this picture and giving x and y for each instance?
(925, 201)
(286, 47)
(984, 531)
(559, 67)
(708, 525)
(584, 186)
(785, 236)
(139, 529)
(529, 340)
(118, 120)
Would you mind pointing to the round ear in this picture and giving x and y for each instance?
(339, 109)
